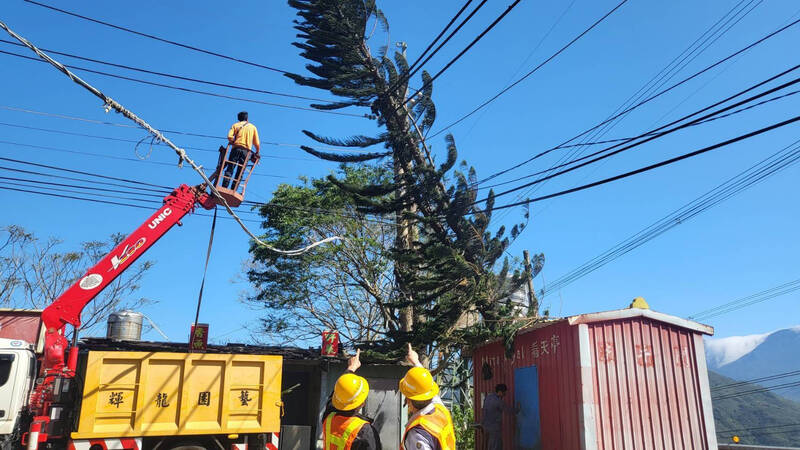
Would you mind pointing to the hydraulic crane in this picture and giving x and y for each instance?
(58, 362)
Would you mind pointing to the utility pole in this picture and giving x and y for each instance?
(533, 302)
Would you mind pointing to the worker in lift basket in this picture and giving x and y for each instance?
(430, 426)
(343, 427)
(242, 136)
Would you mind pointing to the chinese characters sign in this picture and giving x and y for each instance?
(198, 339)
(330, 343)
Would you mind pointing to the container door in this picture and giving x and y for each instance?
(385, 405)
(526, 396)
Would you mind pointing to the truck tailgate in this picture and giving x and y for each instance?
(129, 394)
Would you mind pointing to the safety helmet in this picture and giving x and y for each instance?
(418, 384)
(350, 392)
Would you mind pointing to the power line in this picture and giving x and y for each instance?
(185, 89)
(413, 70)
(81, 172)
(531, 72)
(657, 81)
(169, 75)
(107, 202)
(103, 155)
(645, 101)
(166, 190)
(413, 67)
(761, 428)
(109, 138)
(655, 134)
(654, 166)
(752, 299)
(465, 50)
(691, 52)
(757, 391)
(758, 380)
(124, 125)
(758, 172)
(160, 39)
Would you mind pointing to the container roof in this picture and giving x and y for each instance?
(637, 312)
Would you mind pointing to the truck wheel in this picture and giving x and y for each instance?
(190, 446)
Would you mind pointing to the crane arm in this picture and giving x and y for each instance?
(67, 308)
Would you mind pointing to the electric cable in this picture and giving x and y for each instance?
(462, 52)
(160, 39)
(413, 70)
(757, 391)
(758, 172)
(606, 153)
(91, 200)
(109, 138)
(439, 36)
(758, 380)
(678, 63)
(185, 89)
(645, 101)
(119, 158)
(531, 72)
(183, 133)
(169, 75)
(166, 190)
(752, 299)
(653, 166)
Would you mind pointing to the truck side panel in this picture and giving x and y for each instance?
(127, 394)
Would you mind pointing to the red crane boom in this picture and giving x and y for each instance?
(67, 308)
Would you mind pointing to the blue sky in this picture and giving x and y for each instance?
(745, 245)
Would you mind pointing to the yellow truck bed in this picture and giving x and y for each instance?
(127, 394)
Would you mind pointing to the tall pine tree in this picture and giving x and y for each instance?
(448, 264)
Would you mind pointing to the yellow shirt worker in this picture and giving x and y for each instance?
(242, 136)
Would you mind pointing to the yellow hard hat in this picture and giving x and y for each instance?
(350, 392)
(418, 384)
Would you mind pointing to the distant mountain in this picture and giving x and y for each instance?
(757, 418)
(749, 358)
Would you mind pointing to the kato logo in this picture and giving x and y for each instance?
(152, 225)
(126, 253)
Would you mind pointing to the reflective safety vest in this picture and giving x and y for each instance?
(438, 423)
(340, 431)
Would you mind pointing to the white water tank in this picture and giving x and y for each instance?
(125, 326)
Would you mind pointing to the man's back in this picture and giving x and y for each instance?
(244, 134)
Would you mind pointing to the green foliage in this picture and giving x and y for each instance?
(463, 418)
(757, 418)
(343, 286)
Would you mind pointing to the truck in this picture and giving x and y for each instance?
(53, 395)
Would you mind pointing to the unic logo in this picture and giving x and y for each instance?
(152, 225)
(126, 253)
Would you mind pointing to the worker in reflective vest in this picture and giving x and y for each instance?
(430, 426)
(343, 427)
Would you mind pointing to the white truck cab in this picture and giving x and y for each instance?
(17, 375)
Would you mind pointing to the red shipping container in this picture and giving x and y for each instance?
(22, 324)
(625, 379)
(330, 343)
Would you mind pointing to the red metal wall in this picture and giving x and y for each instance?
(554, 350)
(646, 386)
(642, 387)
(20, 324)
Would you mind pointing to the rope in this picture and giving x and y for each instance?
(205, 269)
(109, 104)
